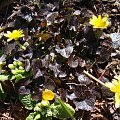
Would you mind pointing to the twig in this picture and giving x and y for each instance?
(94, 78)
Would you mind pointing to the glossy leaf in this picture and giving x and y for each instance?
(65, 52)
(27, 101)
(87, 104)
(30, 116)
(67, 108)
(4, 77)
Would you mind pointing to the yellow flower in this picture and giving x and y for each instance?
(15, 34)
(99, 22)
(115, 87)
(47, 95)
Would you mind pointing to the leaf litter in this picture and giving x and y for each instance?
(59, 44)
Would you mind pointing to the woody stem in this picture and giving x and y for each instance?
(94, 78)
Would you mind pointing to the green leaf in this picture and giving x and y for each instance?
(18, 77)
(37, 117)
(27, 101)
(4, 77)
(30, 116)
(1, 89)
(2, 93)
(58, 111)
(62, 110)
(67, 108)
(48, 118)
(98, 33)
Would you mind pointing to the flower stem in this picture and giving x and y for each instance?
(94, 78)
(21, 45)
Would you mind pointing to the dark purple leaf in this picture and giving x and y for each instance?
(115, 39)
(104, 55)
(72, 96)
(36, 68)
(28, 55)
(23, 90)
(77, 12)
(27, 65)
(49, 84)
(2, 58)
(63, 93)
(73, 61)
(62, 74)
(37, 94)
(73, 23)
(56, 68)
(38, 74)
(45, 61)
(24, 82)
(9, 48)
(8, 87)
(82, 62)
(91, 39)
(87, 104)
(81, 91)
(51, 17)
(83, 79)
(65, 52)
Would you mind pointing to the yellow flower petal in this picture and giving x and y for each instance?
(15, 34)
(94, 17)
(99, 22)
(115, 82)
(109, 85)
(105, 18)
(117, 100)
(107, 23)
(8, 40)
(99, 17)
(7, 34)
(113, 89)
(118, 78)
(47, 95)
(91, 21)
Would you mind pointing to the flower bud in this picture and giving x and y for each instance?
(20, 63)
(14, 71)
(21, 68)
(36, 108)
(15, 63)
(49, 113)
(39, 104)
(19, 76)
(11, 66)
(45, 103)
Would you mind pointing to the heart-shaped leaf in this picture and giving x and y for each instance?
(65, 52)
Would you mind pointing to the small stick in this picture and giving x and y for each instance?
(94, 78)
